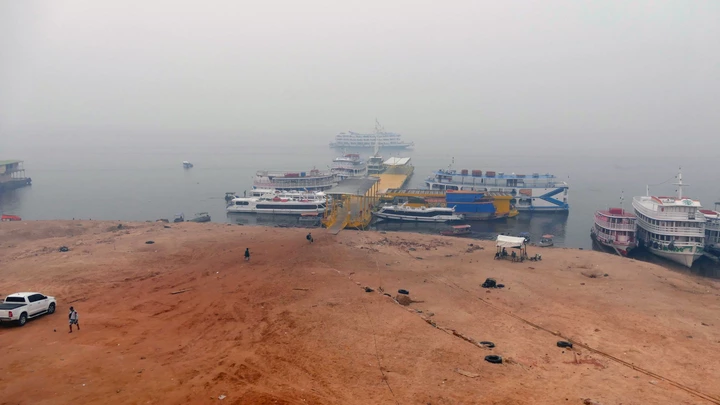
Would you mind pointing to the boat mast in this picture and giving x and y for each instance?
(622, 202)
(680, 184)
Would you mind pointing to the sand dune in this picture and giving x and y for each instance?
(296, 326)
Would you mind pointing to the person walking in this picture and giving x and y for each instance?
(73, 319)
(247, 254)
(309, 237)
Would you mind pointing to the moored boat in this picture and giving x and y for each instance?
(187, 165)
(546, 241)
(535, 192)
(458, 230)
(314, 180)
(417, 214)
(201, 217)
(671, 227)
(349, 165)
(614, 229)
(285, 204)
(712, 229)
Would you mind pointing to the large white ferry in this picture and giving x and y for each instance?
(381, 138)
(535, 192)
(671, 227)
(348, 166)
(294, 203)
(314, 180)
(417, 214)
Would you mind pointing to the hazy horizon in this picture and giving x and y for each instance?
(580, 76)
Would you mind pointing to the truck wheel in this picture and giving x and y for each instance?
(23, 319)
(51, 309)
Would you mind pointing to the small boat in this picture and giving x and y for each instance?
(8, 218)
(418, 214)
(458, 230)
(187, 164)
(201, 217)
(546, 241)
(309, 217)
(179, 218)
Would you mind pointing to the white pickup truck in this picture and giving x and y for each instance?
(20, 307)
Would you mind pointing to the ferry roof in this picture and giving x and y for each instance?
(617, 214)
(674, 202)
(353, 186)
(9, 162)
(498, 175)
(711, 214)
(396, 161)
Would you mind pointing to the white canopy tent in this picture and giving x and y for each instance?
(510, 241)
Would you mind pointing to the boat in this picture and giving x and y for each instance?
(712, 229)
(671, 227)
(535, 192)
(546, 241)
(179, 218)
(417, 214)
(187, 165)
(201, 217)
(280, 203)
(457, 230)
(380, 138)
(9, 218)
(375, 163)
(349, 165)
(614, 229)
(12, 175)
(314, 180)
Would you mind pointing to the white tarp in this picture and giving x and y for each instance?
(510, 241)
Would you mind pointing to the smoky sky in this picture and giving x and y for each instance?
(586, 75)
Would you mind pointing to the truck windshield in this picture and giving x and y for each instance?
(15, 299)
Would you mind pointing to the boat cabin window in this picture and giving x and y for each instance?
(242, 203)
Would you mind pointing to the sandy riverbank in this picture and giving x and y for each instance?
(294, 326)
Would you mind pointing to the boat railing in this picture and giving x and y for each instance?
(673, 230)
(610, 238)
(602, 221)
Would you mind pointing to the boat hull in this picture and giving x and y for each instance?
(622, 250)
(686, 259)
(233, 209)
(408, 218)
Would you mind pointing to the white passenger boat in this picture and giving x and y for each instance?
(281, 203)
(381, 137)
(417, 214)
(314, 180)
(671, 227)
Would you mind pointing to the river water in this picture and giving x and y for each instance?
(145, 182)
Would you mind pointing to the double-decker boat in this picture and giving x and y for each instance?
(417, 214)
(671, 227)
(614, 229)
(535, 192)
(349, 165)
(314, 180)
